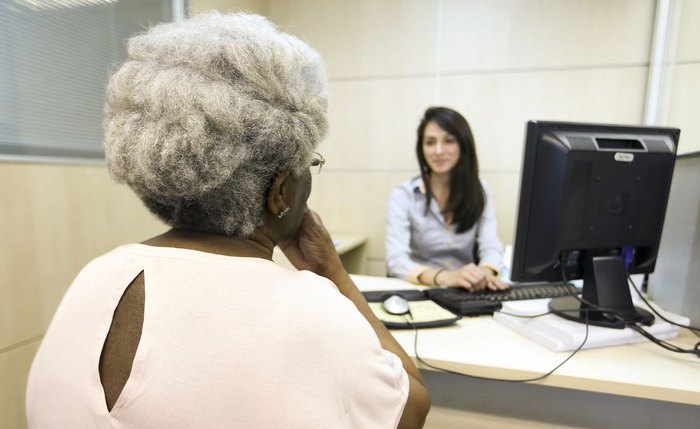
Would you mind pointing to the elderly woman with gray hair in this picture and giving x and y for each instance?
(213, 123)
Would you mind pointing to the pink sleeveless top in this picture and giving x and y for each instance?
(227, 342)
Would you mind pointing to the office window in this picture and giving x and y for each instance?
(55, 59)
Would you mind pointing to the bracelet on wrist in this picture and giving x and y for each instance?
(435, 276)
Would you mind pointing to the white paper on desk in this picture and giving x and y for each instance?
(558, 334)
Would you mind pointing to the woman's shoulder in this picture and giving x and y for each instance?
(485, 186)
(113, 260)
(406, 194)
(410, 186)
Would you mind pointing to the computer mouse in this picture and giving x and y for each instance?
(395, 304)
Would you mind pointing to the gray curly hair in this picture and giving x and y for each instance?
(207, 111)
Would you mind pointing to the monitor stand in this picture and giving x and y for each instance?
(604, 285)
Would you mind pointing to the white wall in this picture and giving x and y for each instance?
(682, 83)
(499, 62)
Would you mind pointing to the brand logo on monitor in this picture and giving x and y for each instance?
(624, 157)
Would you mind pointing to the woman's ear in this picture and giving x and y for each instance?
(278, 194)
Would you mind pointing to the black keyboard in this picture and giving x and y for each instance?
(461, 301)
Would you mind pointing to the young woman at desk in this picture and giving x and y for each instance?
(441, 225)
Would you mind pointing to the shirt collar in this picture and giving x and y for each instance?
(418, 185)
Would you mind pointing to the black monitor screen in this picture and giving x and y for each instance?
(592, 201)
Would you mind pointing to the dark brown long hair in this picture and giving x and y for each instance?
(467, 200)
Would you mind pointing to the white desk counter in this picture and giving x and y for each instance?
(483, 347)
(347, 242)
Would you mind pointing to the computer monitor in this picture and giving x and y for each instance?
(592, 204)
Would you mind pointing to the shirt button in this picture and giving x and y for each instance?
(448, 244)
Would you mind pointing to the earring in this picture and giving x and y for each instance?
(283, 212)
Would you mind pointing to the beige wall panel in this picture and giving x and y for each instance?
(505, 188)
(372, 123)
(685, 106)
(355, 203)
(255, 6)
(364, 37)
(498, 105)
(55, 219)
(14, 369)
(688, 48)
(506, 34)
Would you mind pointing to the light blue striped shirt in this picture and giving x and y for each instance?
(416, 241)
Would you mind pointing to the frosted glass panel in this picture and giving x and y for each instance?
(55, 58)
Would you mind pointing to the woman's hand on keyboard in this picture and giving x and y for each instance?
(472, 278)
(493, 282)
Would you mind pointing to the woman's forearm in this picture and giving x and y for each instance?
(348, 288)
